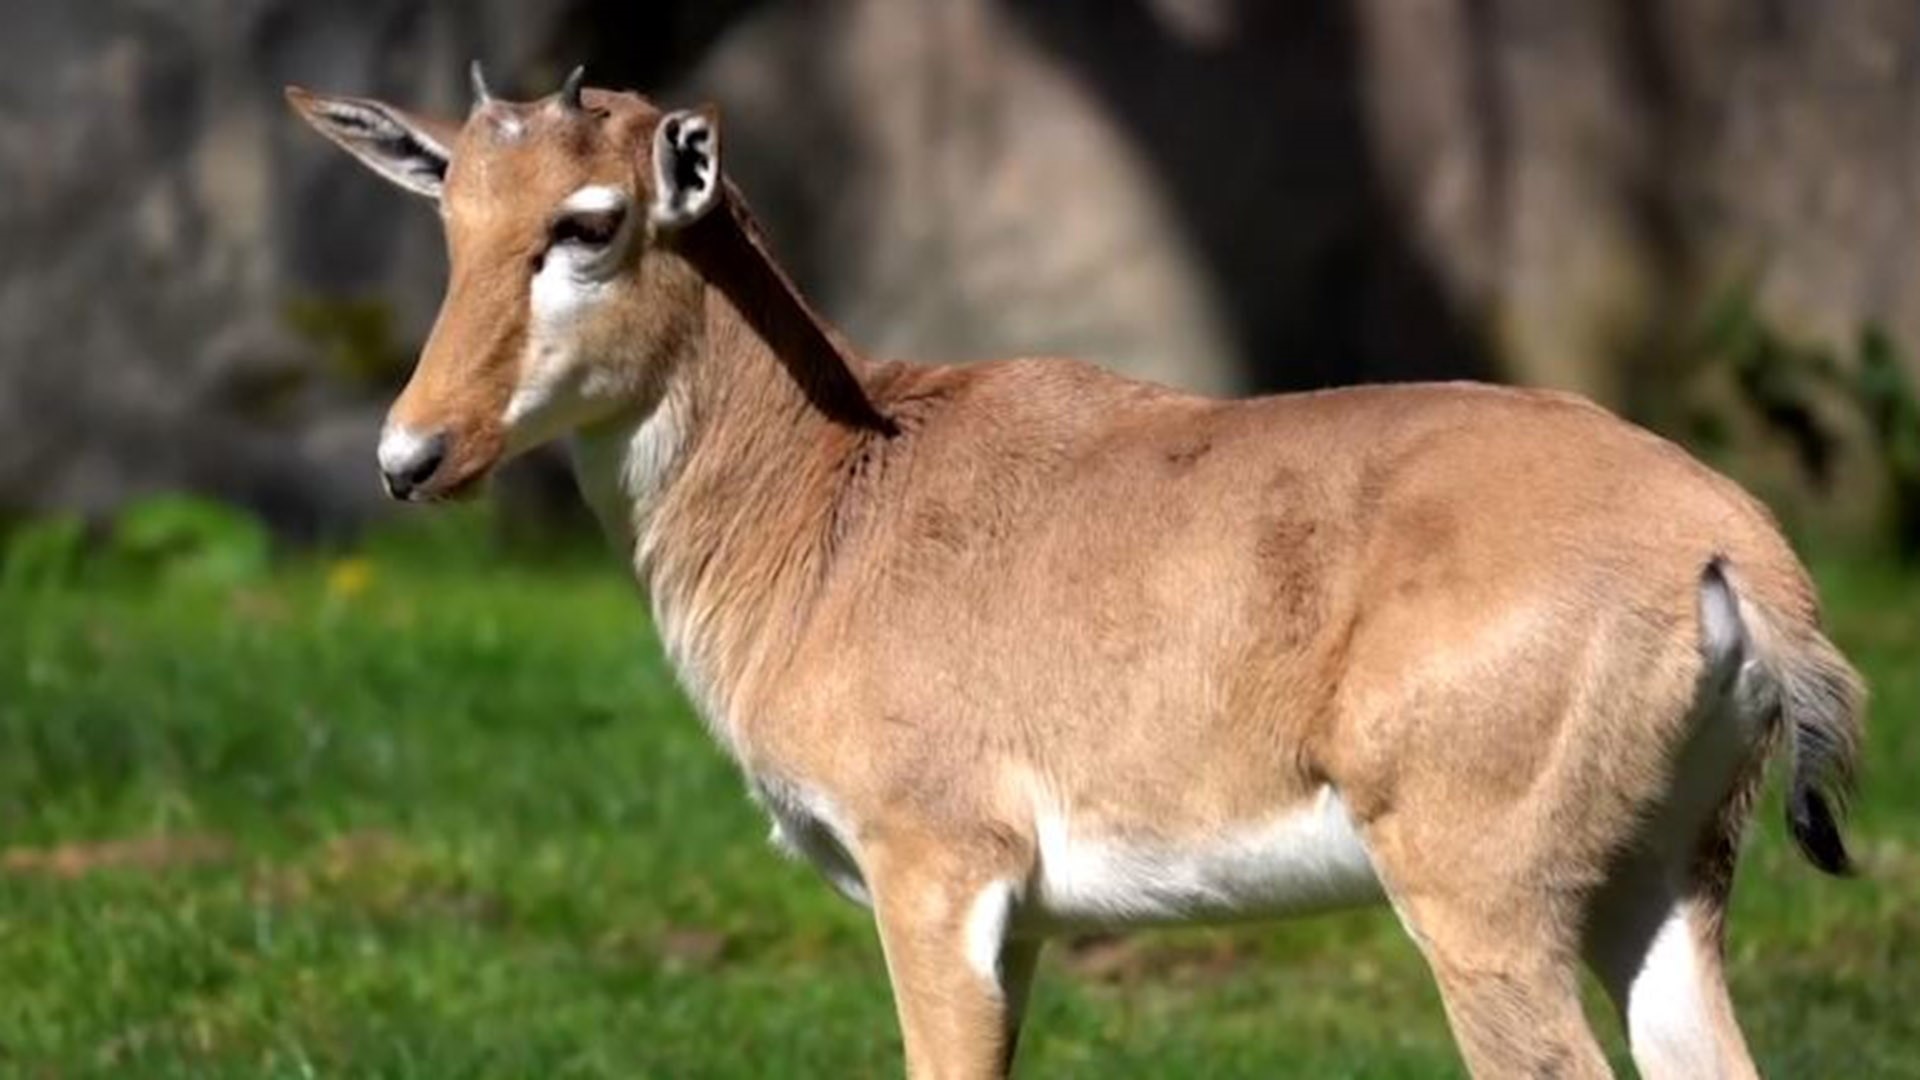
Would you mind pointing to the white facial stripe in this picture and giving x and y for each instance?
(594, 199)
(555, 378)
(573, 278)
(986, 931)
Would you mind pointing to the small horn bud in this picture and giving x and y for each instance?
(481, 95)
(570, 89)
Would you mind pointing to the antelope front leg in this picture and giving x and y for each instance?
(959, 980)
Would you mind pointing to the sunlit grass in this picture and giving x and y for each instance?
(410, 815)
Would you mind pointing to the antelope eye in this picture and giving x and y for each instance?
(588, 228)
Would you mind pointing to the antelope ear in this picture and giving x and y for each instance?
(686, 167)
(409, 150)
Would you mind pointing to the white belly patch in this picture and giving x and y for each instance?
(1311, 858)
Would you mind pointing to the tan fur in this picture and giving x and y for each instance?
(932, 594)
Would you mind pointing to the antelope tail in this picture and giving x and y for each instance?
(1808, 693)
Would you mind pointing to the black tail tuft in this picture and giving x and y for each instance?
(1818, 703)
(1816, 830)
(1824, 705)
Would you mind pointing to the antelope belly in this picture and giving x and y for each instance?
(1309, 859)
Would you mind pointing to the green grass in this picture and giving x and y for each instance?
(413, 815)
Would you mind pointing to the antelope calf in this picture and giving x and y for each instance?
(1022, 647)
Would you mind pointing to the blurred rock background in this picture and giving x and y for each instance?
(1692, 209)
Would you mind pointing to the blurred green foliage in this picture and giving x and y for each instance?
(195, 542)
(357, 337)
(1789, 383)
(183, 538)
(172, 539)
(1884, 391)
(42, 553)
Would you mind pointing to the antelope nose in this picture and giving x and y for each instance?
(408, 460)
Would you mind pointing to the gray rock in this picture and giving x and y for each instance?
(195, 292)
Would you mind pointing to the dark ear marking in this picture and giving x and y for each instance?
(686, 168)
(407, 150)
(694, 164)
(385, 139)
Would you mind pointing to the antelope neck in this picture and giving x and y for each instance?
(725, 492)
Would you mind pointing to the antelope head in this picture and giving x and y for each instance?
(559, 311)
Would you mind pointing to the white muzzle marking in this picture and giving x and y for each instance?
(400, 450)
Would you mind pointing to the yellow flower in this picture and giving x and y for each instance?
(349, 577)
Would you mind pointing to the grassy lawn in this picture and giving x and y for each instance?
(428, 814)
